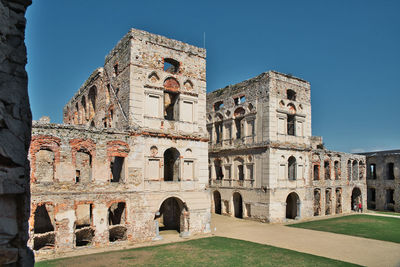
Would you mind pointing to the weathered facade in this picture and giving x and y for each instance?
(383, 180)
(133, 143)
(15, 136)
(263, 161)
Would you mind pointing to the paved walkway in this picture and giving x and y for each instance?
(367, 252)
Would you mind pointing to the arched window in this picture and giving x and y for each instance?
(291, 95)
(92, 101)
(292, 168)
(171, 65)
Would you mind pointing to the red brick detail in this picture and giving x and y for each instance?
(43, 142)
(87, 145)
(171, 84)
(117, 148)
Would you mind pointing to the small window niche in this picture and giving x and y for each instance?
(218, 105)
(291, 95)
(117, 165)
(171, 65)
(116, 70)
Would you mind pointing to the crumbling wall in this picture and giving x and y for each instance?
(15, 124)
(383, 180)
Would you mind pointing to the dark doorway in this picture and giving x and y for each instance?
(292, 206)
(217, 202)
(238, 205)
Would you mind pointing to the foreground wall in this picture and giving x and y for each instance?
(383, 180)
(99, 187)
(15, 124)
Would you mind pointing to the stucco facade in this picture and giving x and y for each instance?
(262, 155)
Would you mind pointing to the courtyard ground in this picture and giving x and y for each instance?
(367, 226)
(212, 251)
(357, 250)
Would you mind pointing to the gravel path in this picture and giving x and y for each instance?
(367, 252)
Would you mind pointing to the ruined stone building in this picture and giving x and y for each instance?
(264, 163)
(383, 180)
(133, 143)
(15, 136)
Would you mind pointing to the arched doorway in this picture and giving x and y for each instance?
(217, 202)
(355, 198)
(292, 206)
(238, 205)
(171, 164)
(172, 215)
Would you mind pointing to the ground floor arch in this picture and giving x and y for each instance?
(356, 198)
(238, 205)
(217, 202)
(292, 206)
(174, 215)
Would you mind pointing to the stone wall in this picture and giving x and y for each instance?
(69, 211)
(383, 180)
(262, 154)
(15, 124)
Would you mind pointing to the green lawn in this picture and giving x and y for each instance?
(386, 212)
(368, 226)
(213, 251)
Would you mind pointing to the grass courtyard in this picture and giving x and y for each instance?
(213, 251)
(367, 226)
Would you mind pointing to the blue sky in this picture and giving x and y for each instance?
(348, 50)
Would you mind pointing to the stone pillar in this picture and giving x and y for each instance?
(15, 136)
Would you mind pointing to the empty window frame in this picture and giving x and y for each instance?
(117, 167)
(218, 105)
(292, 168)
(372, 171)
(171, 65)
(291, 95)
(316, 172)
(327, 169)
(171, 106)
(290, 125)
(337, 170)
(390, 171)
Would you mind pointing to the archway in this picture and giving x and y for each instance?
(355, 198)
(171, 212)
(292, 206)
(238, 205)
(217, 202)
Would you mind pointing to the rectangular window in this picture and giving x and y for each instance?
(372, 171)
(152, 106)
(290, 125)
(188, 170)
(240, 172)
(117, 165)
(281, 126)
(327, 169)
(390, 171)
(250, 172)
(187, 111)
(316, 172)
(228, 172)
(153, 170)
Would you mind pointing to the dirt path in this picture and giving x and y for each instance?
(356, 250)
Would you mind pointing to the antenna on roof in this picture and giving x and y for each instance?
(204, 40)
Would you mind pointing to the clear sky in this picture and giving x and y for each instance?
(348, 50)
